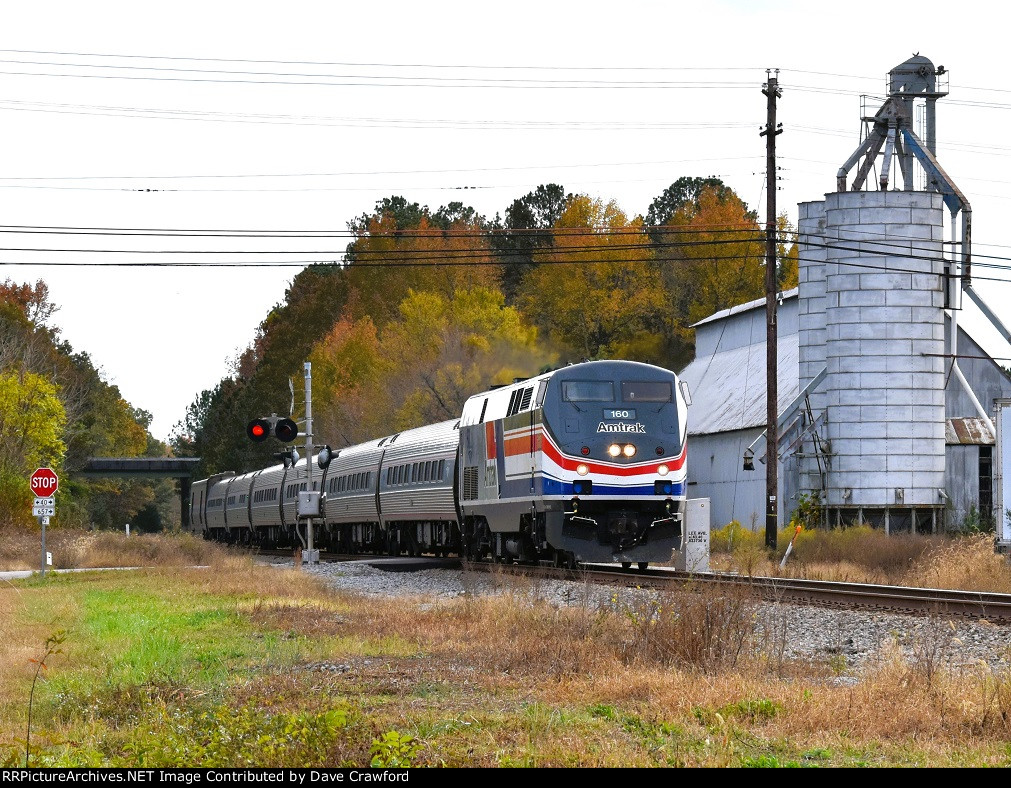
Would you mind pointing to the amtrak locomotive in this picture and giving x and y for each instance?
(586, 463)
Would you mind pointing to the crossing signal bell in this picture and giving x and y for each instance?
(284, 429)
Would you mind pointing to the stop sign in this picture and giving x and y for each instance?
(44, 482)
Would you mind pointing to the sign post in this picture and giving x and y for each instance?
(44, 483)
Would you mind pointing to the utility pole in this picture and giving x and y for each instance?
(313, 557)
(770, 132)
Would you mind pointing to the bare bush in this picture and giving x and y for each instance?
(684, 628)
(74, 549)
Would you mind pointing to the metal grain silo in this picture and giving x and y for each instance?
(812, 465)
(884, 346)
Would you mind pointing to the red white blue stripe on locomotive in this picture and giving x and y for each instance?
(533, 462)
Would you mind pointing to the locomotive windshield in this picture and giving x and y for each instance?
(587, 391)
(646, 391)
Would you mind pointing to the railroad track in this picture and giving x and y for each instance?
(992, 607)
(977, 605)
(324, 557)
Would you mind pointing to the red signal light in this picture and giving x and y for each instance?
(258, 430)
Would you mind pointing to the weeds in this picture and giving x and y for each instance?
(51, 647)
(222, 736)
(862, 554)
(687, 628)
(72, 549)
(266, 667)
(393, 750)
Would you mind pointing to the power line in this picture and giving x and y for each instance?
(332, 80)
(420, 254)
(346, 173)
(380, 64)
(359, 122)
(451, 262)
(432, 233)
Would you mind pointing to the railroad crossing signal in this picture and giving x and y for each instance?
(44, 482)
(284, 429)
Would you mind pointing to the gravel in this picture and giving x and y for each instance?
(848, 640)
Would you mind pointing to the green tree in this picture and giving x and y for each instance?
(681, 199)
(525, 231)
(31, 426)
(94, 418)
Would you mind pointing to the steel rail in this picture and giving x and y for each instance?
(993, 607)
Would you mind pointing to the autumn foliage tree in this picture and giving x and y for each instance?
(595, 292)
(57, 410)
(429, 307)
(422, 365)
(403, 247)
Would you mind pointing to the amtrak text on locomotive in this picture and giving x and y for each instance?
(620, 427)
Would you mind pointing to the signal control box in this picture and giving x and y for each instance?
(310, 503)
(694, 553)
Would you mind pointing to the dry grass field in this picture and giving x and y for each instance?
(238, 664)
(861, 554)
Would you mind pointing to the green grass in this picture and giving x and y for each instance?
(187, 670)
(131, 637)
(152, 674)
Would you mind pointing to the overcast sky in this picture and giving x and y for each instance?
(299, 116)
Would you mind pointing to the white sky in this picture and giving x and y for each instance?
(552, 112)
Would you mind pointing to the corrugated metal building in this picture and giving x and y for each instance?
(728, 414)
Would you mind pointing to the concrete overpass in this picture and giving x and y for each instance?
(153, 467)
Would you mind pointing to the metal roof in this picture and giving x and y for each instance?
(739, 308)
(728, 387)
(969, 431)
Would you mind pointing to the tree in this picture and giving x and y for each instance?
(93, 418)
(33, 300)
(596, 293)
(681, 198)
(391, 257)
(711, 256)
(400, 247)
(31, 426)
(421, 366)
(447, 349)
(787, 254)
(456, 213)
(349, 367)
(526, 230)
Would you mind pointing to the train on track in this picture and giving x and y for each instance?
(582, 464)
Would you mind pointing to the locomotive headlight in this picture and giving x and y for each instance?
(614, 450)
(628, 450)
(582, 470)
(663, 470)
